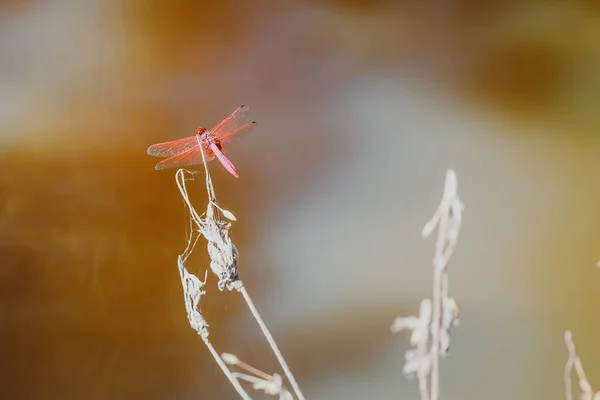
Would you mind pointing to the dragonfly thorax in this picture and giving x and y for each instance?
(210, 139)
(208, 142)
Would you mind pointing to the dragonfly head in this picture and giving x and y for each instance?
(200, 131)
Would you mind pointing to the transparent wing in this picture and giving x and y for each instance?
(168, 149)
(232, 122)
(191, 157)
(247, 127)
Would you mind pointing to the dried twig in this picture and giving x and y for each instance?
(574, 361)
(274, 347)
(193, 290)
(223, 256)
(270, 384)
(431, 329)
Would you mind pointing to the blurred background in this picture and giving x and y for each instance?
(362, 106)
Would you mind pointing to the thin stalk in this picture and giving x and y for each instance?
(435, 334)
(269, 337)
(226, 371)
(443, 249)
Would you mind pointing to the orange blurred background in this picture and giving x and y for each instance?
(361, 106)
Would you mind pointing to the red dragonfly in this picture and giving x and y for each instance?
(186, 151)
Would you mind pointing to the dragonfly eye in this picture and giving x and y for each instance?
(200, 131)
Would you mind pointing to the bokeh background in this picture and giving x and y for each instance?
(362, 106)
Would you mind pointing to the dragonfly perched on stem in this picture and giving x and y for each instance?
(186, 151)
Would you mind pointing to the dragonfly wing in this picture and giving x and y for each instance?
(192, 156)
(169, 149)
(247, 127)
(232, 122)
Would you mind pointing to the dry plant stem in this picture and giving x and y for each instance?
(269, 337)
(252, 370)
(234, 382)
(435, 336)
(223, 257)
(270, 384)
(438, 272)
(192, 287)
(423, 389)
(584, 384)
(448, 219)
(430, 337)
